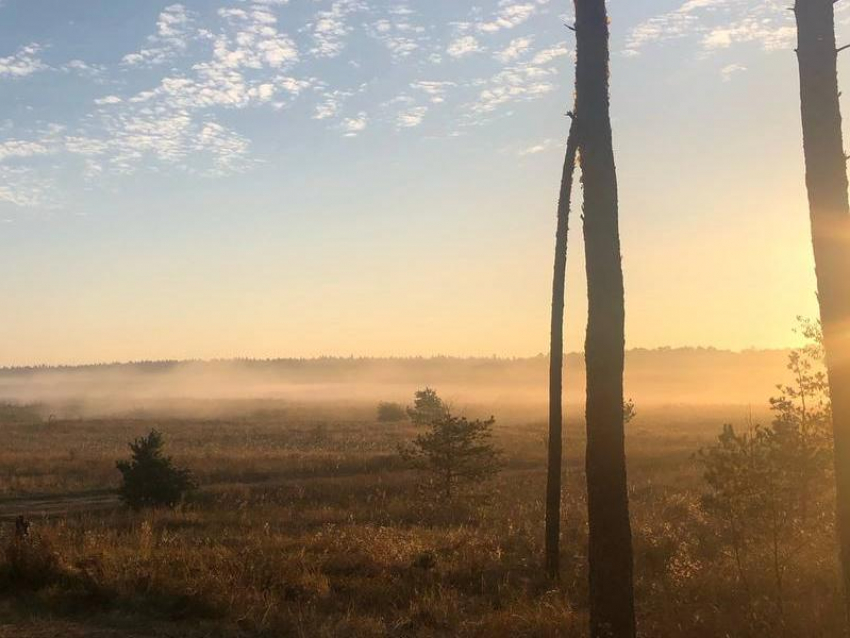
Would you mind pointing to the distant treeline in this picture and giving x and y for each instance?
(663, 375)
(338, 365)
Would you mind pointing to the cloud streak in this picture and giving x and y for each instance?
(717, 24)
(25, 61)
(173, 33)
(331, 28)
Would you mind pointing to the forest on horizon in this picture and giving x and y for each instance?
(664, 375)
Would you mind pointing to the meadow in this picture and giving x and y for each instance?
(308, 523)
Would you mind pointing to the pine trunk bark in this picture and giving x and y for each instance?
(610, 538)
(556, 363)
(826, 181)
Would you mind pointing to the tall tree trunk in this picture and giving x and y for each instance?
(610, 540)
(826, 180)
(556, 362)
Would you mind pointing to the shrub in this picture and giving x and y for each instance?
(458, 453)
(32, 563)
(149, 478)
(768, 488)
(427, 408)
(391, 412)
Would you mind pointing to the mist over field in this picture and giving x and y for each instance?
(686, 376)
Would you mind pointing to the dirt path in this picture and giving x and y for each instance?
(60, 629)
(56, 505)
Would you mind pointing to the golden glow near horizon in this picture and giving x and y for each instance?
(718, 288)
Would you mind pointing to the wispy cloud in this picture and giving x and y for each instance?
(331, 27)
(353, 126)
(331, 104)
(108, 99)
(435, 90)
(174, 30)
(398, 32)
(21, 183)
(170, 104)
(22, 148)
(175, 122)
(84, 69)
(25, 61)
(411, 117)
(509, 15)
(547, 55)
(717, 24)
(26, 188)
(463, 45)
(255, 42)
(519, 83)
(770, 36)
(514, 50)
(534, 149)
(730, 70)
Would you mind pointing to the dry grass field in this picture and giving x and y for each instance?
(308, 524)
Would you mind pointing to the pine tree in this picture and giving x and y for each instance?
(427, 407)
(610, 540)
(556, 361)
(829, 210)
(456, 452)
(149, 478)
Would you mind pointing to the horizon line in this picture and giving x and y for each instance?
(351, 357)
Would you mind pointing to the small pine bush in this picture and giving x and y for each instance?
(149, 478)
(391, 412)
(458, 453)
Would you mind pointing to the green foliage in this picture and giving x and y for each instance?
(149, 478)
(391, 412)
(427, 408)
(805, 405)
(458, 453)
(769, 487)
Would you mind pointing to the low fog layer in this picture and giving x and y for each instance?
(653, 377)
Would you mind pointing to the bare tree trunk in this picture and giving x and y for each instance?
(610, 541)
(826, 181)
(556, 362)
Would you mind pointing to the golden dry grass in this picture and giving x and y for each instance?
(312, 527)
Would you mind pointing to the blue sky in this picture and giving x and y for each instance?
(299, 177)
(207, 89)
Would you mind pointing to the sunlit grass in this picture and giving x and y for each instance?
(314, 528)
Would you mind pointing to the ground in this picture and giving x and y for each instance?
(308, 524)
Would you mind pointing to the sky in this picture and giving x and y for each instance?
(276, 178)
